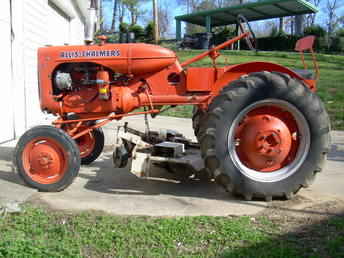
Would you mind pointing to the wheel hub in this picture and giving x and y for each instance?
(268, 143)
(44, 161)
(265, 142)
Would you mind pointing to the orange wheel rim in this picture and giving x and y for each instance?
(266, 134)
(269, 140)
(45, 160)
(86, 144)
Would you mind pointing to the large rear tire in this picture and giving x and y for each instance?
(265, 136)
(90, 145)
(47, 158)
(198, 119)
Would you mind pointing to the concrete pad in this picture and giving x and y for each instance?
(101, 187)
(11, 187)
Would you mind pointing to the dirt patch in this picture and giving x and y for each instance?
(314, 228)
(302, 212)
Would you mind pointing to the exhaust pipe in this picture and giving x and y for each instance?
(91, 23)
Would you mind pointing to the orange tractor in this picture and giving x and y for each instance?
(262, 130)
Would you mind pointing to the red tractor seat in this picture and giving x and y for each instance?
(303, 45)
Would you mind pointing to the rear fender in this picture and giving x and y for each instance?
(231, 73)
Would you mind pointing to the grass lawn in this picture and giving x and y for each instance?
(41, 233)
(330, 87)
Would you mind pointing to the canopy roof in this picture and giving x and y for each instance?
(252, 11)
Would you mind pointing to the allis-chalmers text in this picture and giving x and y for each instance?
(89, 53)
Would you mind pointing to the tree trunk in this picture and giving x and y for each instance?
(115, 7)
(101, 23)
(121, 10)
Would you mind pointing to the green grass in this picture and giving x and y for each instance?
(330, 86)
(41, 233)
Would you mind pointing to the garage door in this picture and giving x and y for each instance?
(6, 101)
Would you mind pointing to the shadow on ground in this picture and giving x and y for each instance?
(103, 177)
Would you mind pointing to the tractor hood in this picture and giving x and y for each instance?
(132, 59)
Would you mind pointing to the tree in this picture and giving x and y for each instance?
(114, 16)
(191, 5)
(149, 31)
(137, 30)
(101, 25)
(310, 18)
(121, 11)
(133, 7)
(164, 16)
(332, 18)
(315, 30)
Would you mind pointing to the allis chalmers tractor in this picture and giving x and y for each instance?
(262, 131)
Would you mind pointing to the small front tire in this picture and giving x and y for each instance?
(47, 158)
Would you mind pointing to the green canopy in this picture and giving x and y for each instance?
(252, 11)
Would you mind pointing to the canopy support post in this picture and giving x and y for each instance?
(208, 23)
(178, 30)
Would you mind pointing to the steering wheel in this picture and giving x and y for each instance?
(251, 40)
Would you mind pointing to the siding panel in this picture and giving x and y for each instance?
(6, 103)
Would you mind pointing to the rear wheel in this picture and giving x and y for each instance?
(266, 136)
(47, 158)
(90, 145)
(198, 119)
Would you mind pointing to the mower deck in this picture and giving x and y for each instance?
(168, 149)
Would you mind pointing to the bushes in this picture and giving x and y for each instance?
(124, 27)
(280, 42)
(315, 30)
(336, 44)
(222, 35)
(149, 32)
(138, 31)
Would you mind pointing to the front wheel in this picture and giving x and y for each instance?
(46, 158)
(266, 136)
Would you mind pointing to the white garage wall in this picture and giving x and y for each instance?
(35, 35)
(36, 24)
(6, 102)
